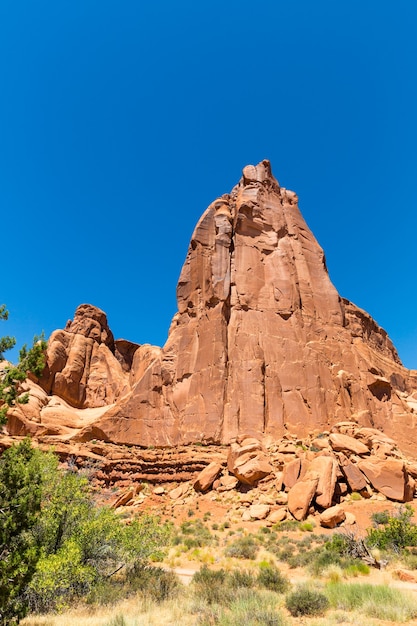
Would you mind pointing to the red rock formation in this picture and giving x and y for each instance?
(262, 344)
(82, 366)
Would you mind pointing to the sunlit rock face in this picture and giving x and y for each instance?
(262, 343)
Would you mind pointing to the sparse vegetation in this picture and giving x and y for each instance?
(12, 376)
(306, 601)
(271, 578)
(89, 556)
(378, 601)
(243, 548)
(397, 532)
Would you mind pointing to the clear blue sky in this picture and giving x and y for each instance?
(121, 121)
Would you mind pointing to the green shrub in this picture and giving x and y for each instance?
(193, 534)
(397, 533)
(107, 592)
(306, 601)
(271, 578)
(20, 504)
(322, 559)
(289, 524)
(241, 579)
(410, 560)
(380, 517)
(59, 578)
(210, 586)
(243, 548)
(152, 582)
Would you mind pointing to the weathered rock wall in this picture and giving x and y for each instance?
(262, 343)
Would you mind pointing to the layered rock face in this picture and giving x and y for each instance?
(262, 344)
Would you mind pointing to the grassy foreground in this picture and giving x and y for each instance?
(349, 603)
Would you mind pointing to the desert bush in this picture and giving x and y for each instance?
(398, 532)
(210, 586)
(271, 578)
(107, 592)
(322, 560)
(409, 559)
(154, 583)
(243, 548)
(241, 579)
(289, 524)
(306, 601)
(193, 534)
(380, 517)
(58, 579)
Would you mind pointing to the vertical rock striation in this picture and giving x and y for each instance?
(262, 343)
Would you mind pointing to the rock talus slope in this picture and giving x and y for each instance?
(262, 344)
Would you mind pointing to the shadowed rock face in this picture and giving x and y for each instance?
(262, 343)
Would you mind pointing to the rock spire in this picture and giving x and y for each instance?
(262, 343)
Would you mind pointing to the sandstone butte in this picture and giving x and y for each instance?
(262, 346)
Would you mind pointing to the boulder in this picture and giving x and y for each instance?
(326, 468)
(332, 517)
(259, 511)
(300, 497)
(227, 483)
(178, 492)
(354, 477)
(123, 499)
(387, 476)
(279, 515)
(405, 576)
(207, 476)
(343, 443)
(350, 519)
(236, 450)
(291, 473)
(250, 469)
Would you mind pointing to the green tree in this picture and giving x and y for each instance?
(56, 544)
(6, 343)
(32, 360)
(20, 501)
(82, 544)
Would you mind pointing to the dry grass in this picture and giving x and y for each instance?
(135, 612)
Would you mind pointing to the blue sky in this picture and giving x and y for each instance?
(121, 121)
